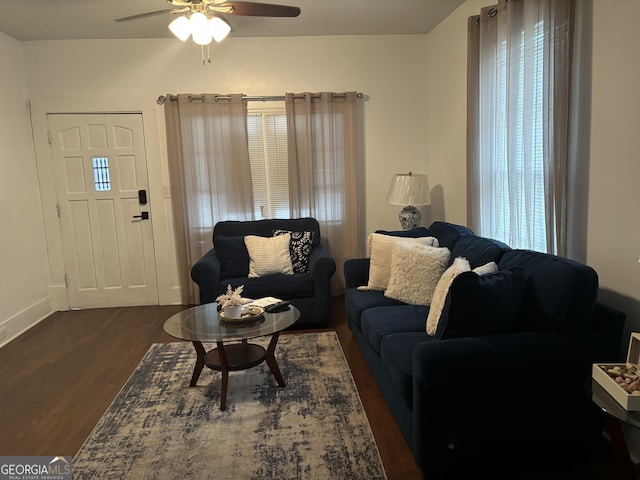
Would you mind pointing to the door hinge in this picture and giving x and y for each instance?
(58, 209)
(49, 137)
(66, 280)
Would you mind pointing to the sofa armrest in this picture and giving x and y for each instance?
(356, 272)
(492, 358)
(610, 323)
(206, 273)
(322, 266)
(479, 398)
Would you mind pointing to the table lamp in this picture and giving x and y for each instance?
(409, 189)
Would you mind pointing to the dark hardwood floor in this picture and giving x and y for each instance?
(58, 378)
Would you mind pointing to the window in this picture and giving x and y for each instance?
(518, 91)
(267, 133)
(101, 179)
(267, 142)
(512, 201)
(329, 183)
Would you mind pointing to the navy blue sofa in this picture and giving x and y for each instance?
(227, 263)
(483, 400)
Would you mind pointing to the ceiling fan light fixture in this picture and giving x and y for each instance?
(200, 29)
(219, 29)
(181, 28)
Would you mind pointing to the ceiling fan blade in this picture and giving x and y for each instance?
(255, 9)
(150, 14)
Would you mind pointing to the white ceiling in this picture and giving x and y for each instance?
(81, 19)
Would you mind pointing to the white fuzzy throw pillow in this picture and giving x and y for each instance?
(486, 269)
(458, 266)
(269, 255)
(380, 247)
(415, 270)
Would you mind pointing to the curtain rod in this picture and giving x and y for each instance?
(249, 98)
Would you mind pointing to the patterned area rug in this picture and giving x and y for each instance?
(160, 428)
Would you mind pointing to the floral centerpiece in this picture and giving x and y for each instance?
(231, 302)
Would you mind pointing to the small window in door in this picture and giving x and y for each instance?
(101, 177)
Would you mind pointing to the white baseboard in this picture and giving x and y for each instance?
(59, 298)
(172, 297)
(19, 323)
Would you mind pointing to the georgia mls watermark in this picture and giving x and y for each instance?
(35, 468)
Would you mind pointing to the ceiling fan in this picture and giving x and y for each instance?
(253, 9)
(204, 26)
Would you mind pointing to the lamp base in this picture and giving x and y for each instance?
(409, 217)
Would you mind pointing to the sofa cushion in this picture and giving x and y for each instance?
(381, 248)
(300, 248)
(415, 271)
(265, 228)
(448, 233)
(379, 322)
(269, 255)
(560, 294)
(411, 233)
(480, 305)
(357, 301)
(299, 285)
(396, 351)
(233, 256)
(478, 250)
(458, 266)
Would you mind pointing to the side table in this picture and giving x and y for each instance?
(616, 417)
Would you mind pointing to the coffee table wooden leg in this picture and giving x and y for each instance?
(224, 369)
(200, 354)
(271, 360)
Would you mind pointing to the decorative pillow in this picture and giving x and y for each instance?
(482, 305)
(380, 247)
(415, 271)
(233, 256)
(490, 267)
(458, 266)
(300, 248)
(268, 255)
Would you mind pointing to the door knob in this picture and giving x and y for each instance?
(142, 216)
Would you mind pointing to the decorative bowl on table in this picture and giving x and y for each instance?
(248, 313)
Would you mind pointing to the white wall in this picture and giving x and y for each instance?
(613, 247)
(128, 75)
(24, 282)
(389, 70)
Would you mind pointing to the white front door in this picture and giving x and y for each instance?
(100, 171)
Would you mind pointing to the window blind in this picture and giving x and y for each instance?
(267, 132)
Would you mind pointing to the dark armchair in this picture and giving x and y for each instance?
(227, 263)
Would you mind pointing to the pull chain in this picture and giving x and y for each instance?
(208, 55)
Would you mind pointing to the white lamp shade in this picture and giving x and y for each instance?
(219, 29)
(200, 29)
(409, 189)
(181, 27)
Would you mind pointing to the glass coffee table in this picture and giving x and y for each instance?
(202, 324)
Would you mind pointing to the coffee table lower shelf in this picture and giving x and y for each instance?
(239, 356)
(232, 357)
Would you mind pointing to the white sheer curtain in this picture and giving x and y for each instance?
(325, 157)
(519, 57)
(210, 172)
